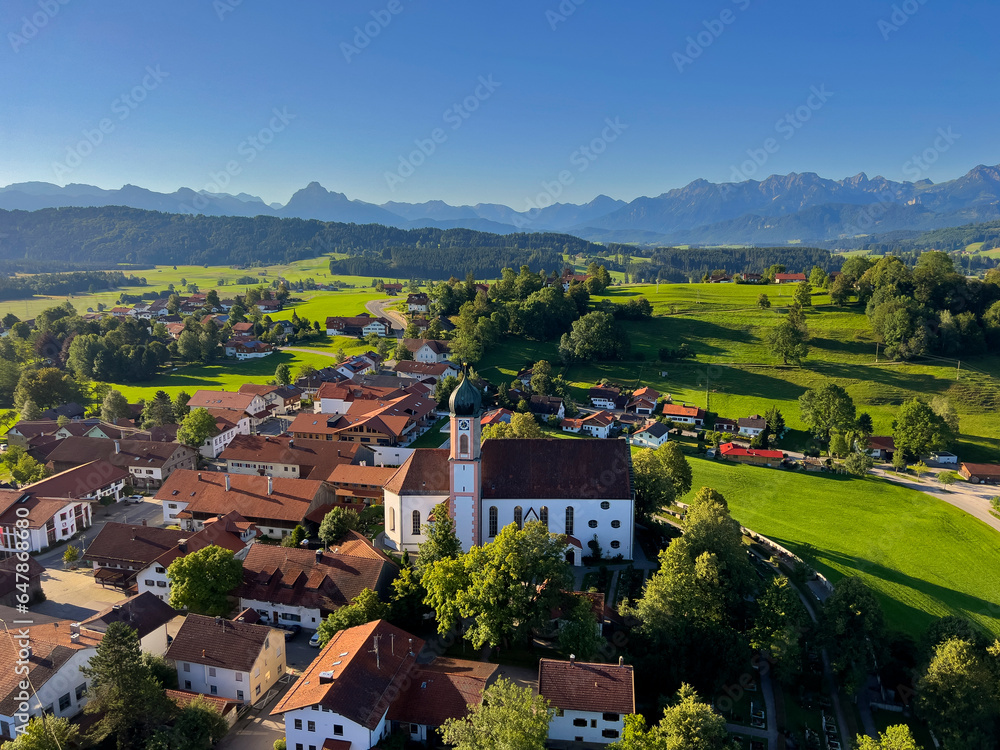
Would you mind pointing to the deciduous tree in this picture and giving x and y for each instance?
(827, 408)
(201, 581)
(853, 628)
(917, 430)
(510, 718)
(197, 427)
(365, 607)
(440, 540)
(336, 523)
(896, 737)
(46, 732)
(958, 696)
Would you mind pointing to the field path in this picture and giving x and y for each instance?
(972, 498)
(322, 353)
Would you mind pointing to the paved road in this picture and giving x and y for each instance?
(974, 499)
(380, 309)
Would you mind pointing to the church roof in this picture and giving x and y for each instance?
(425, 472)
(466, 400)
(556, 469)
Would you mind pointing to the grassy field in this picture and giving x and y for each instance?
(923, 557)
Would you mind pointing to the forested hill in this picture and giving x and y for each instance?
(110, 235)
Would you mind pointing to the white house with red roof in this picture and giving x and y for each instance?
(591, 701)
(692, 415)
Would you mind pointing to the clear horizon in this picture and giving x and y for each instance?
(392, 100)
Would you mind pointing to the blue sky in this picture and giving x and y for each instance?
(211, 77)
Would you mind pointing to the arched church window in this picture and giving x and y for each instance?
(519, 517)
(416, 523)
(392, 519)
(543, 515)
(569, 521)
(463, 445)
(493, 520)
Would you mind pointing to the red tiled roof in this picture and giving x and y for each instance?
(587, 687)
(425, 472)
(728, 450)
(442, 690)
(206, 493)
(219, 643)
(221, 400)
(355, 544)
(676, 410)
(552, 468)
(362, 685)
(982, 470)
(81, 480)
(790, 277)
(40, 509)
(129, 543)
(220, 704)
(881, 443)
(284, 450)
(369, 476)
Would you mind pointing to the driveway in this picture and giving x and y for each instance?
(257, 729)
(73, 595)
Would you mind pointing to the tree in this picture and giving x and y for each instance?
(803, 294)
(71, 554)
(158, 411)
(296, 538)
(763, 302)
(778, 627)
(827, 408)
(283, 374)
(23, 468)
(30, 412)
(788, 341)
(958, 697)
(46, 732)
(47, 387)
(440, 540)
(595, 336)
(838, 445)
(510, 718)
(403, 353)
(896, 737)
(541, 378)
(197, 427)
(818, 277)
(859, 463)
(202, 580)
(115, 407)
(853, 628)
(941, 406)
(181, 408)
(336, 524)
(687, 724)
(917, 430)
(840, 290)
(365, 607)
(579, 634)
(775, 421)
(198, 726)
(189, 346)
(522, 426)
(123, 691)
(444, 581)
(653, 489)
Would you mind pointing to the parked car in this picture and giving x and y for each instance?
(314, 641)
(134, 499)
(291, 631)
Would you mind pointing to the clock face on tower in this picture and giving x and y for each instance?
(463, 424)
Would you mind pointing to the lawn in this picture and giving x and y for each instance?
(923, 557)
(433, 437)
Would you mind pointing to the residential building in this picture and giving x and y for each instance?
(287, 585)
(730, 426)
(360, 483)
(336, 398)
(121, 550)
(311, 383)
(49, 520)
(281, 399)
(577, 487)
(980, 473)
(247, 410)
(591, 701)
(751, 426)
(356, 366)
(740, 454)
(682, 414)
(72, 410)
(55, 653)
(653, 435)
(360, 326)
(496, 416)
(251, 349)
(271, 456)
(881, 447)
(418, 303)
(547, 406)
(643, 401)
(389, 421)
(789, 278)
(598, 424)
(226, 658)
(606, 397)
(96, 481)
(428, 350)
(434, 371)
(144, 613)
(275, 504)
(146, 463)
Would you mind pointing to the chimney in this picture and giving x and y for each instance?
(143, 521)
(291, 443)
(319, 555)
(203, 653)
(227, 483)
(74, 628)
(270, 485)
(118, 447)
(621, 661)
(199, 476)
(572, 659)
(74, 637)
(182, 545)
(325, 678)
(218, 621)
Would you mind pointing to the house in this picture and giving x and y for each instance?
(496, 416)
(227, 658)
(730, 426)
(721, 278)
(789, 278)
(751, 426)
(244, 350)
(682, 414)
(738, 453)
(360, 483)
(643, 401)
(392, 289)
(311, 383)
(418, 303)
(96, 481)
(390, 421)
(121, 550)
(146, 463)
(269, 306)
(287, 585)
(72, 410)
(122, 312)
(49, 658)
(437, 692)
(235, 413)
(652, 435)
(227, 429)
(281, 399)
(570, 485)
(752, 278)
(359, 365)
(606, 397)
(591, 701)
(284, 457)
(881, 447)
(144, 613)
(17, 584)
(31, 523)
(231, 531)
(435, 371)
(980, 473)
(336, 398)
(428, 350)
(596, 425)
(547, 406)
(360, 326)
(275, 504)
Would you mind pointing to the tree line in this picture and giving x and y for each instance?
(680, 265)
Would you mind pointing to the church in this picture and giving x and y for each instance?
(580, 488)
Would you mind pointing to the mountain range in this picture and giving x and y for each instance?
(781, 209)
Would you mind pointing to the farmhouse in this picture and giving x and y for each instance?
(789, 278)
(360, 325)
(722, 424)
(433, 371)
(549, 406)
(735, 452)
(693, 415)
(606, 397)
(881, 447)
(643, 401)
(251, 349)
(284, 457)
(428, 350)
(336, 398)
(418, 303)
(281, 399)
(981, 473)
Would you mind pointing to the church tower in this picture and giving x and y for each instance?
(466, 407)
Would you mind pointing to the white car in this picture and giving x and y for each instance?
(134, 499)
(314, 641)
